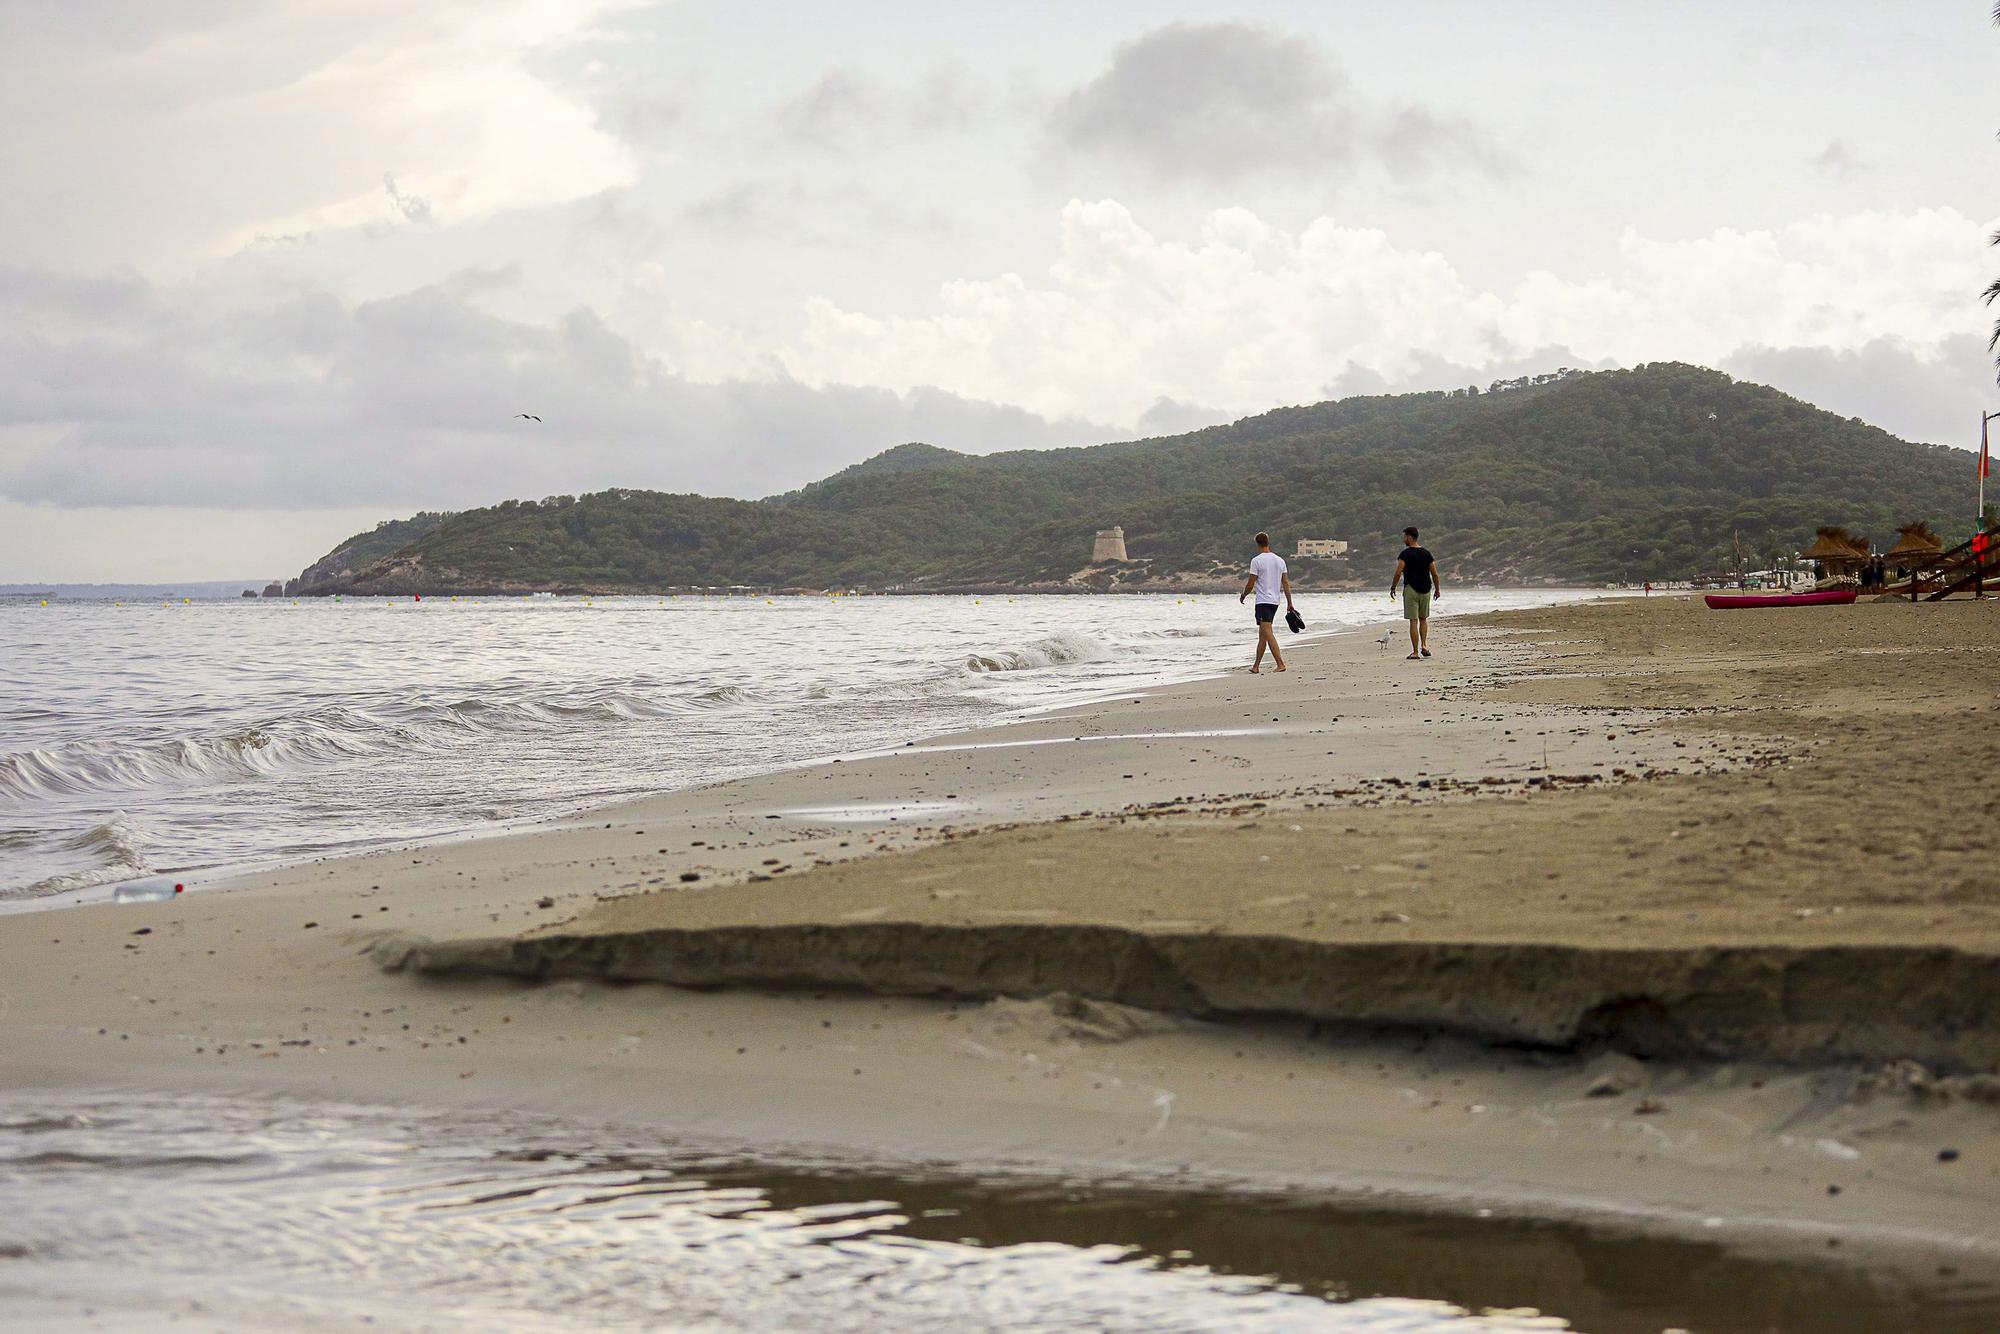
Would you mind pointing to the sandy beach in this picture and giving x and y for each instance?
(1622, 910)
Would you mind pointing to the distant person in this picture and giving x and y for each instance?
(1416, 571)
(1272, 584)
(1649, 588)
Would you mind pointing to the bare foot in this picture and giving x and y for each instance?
(1256, 671)
(1284, 669)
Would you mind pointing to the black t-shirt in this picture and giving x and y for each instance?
(1417, 564)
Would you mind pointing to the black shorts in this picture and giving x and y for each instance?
(1267, 612)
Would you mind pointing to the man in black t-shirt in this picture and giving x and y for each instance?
(1416, 571)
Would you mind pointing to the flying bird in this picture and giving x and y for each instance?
(529, 415)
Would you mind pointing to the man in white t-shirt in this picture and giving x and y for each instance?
(1270, 582)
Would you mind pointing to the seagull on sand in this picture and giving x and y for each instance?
(529, 415)
(1386, 636)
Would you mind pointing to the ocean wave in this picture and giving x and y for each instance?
(1066, 646)
(111, 848)
(331, 734)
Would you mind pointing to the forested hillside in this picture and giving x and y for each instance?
(365, 549)
(1648, 473)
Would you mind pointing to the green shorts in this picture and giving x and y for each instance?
(1416, 606)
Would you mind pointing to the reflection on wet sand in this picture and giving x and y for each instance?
(247, 1210)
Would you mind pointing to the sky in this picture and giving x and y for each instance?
(273, 271)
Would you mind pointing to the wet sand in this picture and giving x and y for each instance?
(1736, 844)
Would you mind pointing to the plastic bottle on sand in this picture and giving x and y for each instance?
(150, 890)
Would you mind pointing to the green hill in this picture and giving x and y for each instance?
(1647, 473)
(365, 549)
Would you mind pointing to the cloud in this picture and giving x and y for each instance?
(1837, 160)
(1426, 371)
(799, 213)
(115, 393)
(833, 112)
(846, 108)
(235, 122)
(748, 208)
(1920, 392)
(652, 120)
(1417, 141)
(414, 208)
(949, 99)
(1247, 315)
(1169, 417)
(1216, 103)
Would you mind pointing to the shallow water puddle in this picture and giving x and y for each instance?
(141, 1210)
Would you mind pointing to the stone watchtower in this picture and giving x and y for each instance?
(1110, 546)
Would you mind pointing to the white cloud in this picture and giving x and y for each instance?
(1248, 315)
(242, 123)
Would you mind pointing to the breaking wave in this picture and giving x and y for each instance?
(334, 733)
(1066, 646)
(110, 850)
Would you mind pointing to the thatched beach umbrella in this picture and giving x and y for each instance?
(1838, 551)
(1916, 546)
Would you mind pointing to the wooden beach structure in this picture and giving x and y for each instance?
(1916, 547)
(1935, 574)
(1839, 553)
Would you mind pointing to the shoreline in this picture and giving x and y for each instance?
(1079, 695)
(219, 981)
(200, 877)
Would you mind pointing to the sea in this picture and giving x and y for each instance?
(197, 737)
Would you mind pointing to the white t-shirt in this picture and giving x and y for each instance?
(1269, 567)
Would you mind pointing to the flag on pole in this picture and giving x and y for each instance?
(1985, 455)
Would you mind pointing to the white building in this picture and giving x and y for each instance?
(1320, 548)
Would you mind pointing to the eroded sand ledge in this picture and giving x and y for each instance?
(1768, 1003)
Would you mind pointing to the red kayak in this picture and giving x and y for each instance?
(1832, 597)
